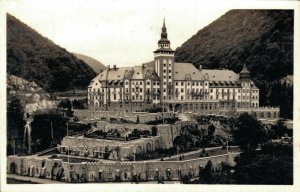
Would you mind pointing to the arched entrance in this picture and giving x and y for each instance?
(139, 150)
(126, 176)
(148, 147)
(156, 146)
(178, 107)
(170, 107)
(13, 168)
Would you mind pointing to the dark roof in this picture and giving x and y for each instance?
(225, 84)
(163, 49)
(245, 70)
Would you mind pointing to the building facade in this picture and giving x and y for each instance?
(174, 86)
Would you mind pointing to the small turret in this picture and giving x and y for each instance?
(245, 73)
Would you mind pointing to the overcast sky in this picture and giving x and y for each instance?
(121, 32)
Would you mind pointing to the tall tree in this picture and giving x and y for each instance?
(248, 132)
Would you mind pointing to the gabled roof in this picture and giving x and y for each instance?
(138, 73)
(112, 74)
(184, 70)
(221, 75)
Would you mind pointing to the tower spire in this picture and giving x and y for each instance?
(164, 42)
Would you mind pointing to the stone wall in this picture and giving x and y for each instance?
(119, 150)
(130, 116)
(116, 170)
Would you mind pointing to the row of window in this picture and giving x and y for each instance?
(193, 83)
(141, 83)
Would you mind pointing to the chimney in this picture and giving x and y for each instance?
(115, 67)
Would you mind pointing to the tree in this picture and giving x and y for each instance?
(278, 130)
(211, 130)
(248, 132)
(15, 125)
(273, 165)
(206, 173)
(65, 103)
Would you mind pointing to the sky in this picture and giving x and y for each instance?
(117, 32)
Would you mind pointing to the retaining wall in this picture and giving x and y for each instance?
(117, 170)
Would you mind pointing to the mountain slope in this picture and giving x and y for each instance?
(36, 58)
(96, 65)
(263, 39)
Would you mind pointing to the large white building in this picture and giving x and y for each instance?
(175, 86)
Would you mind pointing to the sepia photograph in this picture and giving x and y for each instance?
(183, 93)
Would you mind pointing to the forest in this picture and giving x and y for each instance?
(261, 39)
(36, 58)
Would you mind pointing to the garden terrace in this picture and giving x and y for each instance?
(120, 134)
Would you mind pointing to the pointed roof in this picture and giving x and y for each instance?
(164, 34)
(245, 70)
(245, 73)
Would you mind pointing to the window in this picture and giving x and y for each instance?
(165, 77)
(181, 90)
(165, 83)
(197, 83)
(169, 77)
(132, 97)
(181, 83)
(164, 90)
(132, 89)
(141, 83)
(141, 90)
(141, 97)
(181, 97)
(165, 71)
(169, 71)
(154, 83)
(211, 90)
(148, 82)
(201, 84)
(126, 90)
(205, 84)
(157, 83)
(188, 83)
(126, 83)
(165, 65)
(176, 83)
